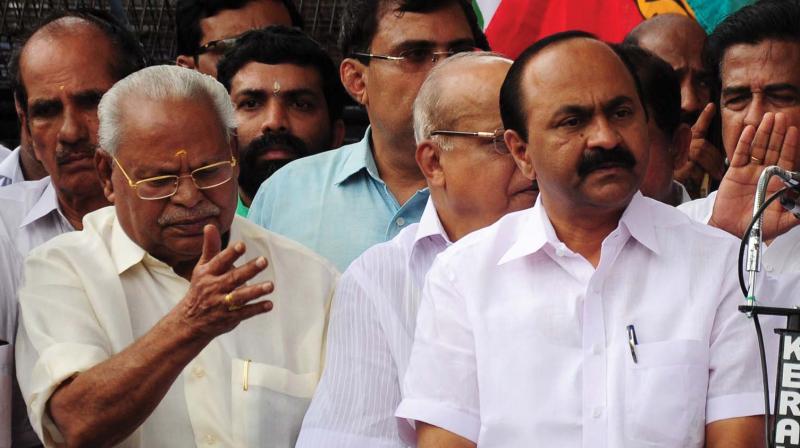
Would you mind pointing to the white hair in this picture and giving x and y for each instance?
(158, 83)
(429, 112)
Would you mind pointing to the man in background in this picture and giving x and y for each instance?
(205, 29)
(288, 101)
(340, 203)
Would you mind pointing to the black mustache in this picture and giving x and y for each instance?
(264, 143)
(594, 159)
(64, 156)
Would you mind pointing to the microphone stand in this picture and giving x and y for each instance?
(785, 427)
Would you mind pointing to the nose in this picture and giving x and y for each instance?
(276, 119)
(603, 135)
(187, 194)
(755, 111)
(74, 128)
(690, 100)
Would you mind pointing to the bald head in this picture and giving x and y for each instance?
(679, 40)
(463, 85)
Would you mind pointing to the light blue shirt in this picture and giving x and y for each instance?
(335, 203)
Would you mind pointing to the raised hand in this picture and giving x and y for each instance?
(218, 298)
(771, 144)
(703, 157)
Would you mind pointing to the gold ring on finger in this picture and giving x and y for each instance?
(228, 300)
(757, 160)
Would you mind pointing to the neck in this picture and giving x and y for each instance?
(75, 208)
(185, 268)
(396, 164)
(582, 229)
(455, 226)
(246, 200)
(31, 168)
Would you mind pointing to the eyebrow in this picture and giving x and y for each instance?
(258, 94)
(575, 109)
(408, 44)
(261, 94)
(84, 98)
(771, 88)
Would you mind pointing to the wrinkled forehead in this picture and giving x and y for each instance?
(579, 72)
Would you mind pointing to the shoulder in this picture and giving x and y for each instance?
(300, 170)
(699, 209)
(17, 199)
(489, 244)
(82, 245)
(283, 250)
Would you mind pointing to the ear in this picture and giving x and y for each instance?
(337, 133)
(354, 79)
(681, 141)
(103, 165)
(23, 118)
(519, 150)
(429, 162)
(186, 61)
(235, 151)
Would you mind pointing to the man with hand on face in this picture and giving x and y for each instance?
(473, 182)
(205, 29)
(59, 74)
(147, 328)
(679, 40)
(340, 203)
(755, 55)
(288, 102)
(555, 326)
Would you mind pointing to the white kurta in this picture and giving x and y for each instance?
(520, 342)
(90, 294)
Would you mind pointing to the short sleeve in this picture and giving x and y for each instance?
(359, 391)
(441, 384)
(734, 382)
(58, 336)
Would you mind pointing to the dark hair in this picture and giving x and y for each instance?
(767, 19)
(661, 86)
(512, 107)
(189, 13)
(128, 57)
(281, 45)
(360, 20)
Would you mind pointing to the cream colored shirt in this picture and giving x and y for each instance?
(90, 294)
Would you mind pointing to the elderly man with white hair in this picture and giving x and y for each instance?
(147, 328)
(473, 182)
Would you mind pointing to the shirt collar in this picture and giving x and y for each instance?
(46, 204)
(124, 251)
(10, 167)
(637, 220)
(359, 158)
(430, 224)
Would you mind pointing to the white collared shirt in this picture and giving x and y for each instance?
(521, 342)
(373, 317)
(780, 256)
(10, 169)
(113, 292)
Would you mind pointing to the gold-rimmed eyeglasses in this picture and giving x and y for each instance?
(416, 59)
(162, 187)
(495, 137)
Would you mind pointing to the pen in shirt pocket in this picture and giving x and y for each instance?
(632, 343)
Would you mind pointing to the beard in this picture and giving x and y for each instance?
(254, 169)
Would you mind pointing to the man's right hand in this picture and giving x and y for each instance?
(703, 156)
(218, 298)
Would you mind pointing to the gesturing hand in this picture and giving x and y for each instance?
(771, 144)
(218, 298)
(703, 157)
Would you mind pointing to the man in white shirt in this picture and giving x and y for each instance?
(128, 325)
(593, 319)
(58, 76)
(756, 61)
(473, 181)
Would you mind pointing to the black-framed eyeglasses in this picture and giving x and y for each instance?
(416, 59)
(217, 46)
(495, 137)
(162, 187)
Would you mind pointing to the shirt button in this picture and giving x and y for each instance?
(198, 372)
(210, 439)
(400, 222)
(597, 412)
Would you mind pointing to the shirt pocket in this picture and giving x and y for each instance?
(268, 403)
(665, 394)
